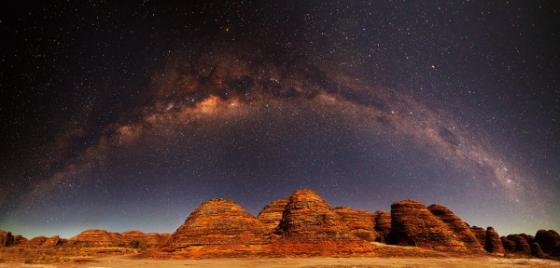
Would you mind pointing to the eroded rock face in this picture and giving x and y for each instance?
(6, 239)
(19, 240)
(493, 242)
(522, 243)
(382, 225)
(480, 234)
(271, 214)
(360, 222)
(53, 241)
(537, 251)
(36, 241)
(218, 222)
(413, 224)
(307, 217)
(549, 241)
(97, 238)
(42, 241)
(458, 226)
(138, 239)
(509, 246)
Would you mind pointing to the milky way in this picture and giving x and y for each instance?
(157, 110)
(224, 86)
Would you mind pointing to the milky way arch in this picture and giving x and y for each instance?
(232, 84)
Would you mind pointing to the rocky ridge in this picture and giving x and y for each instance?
(304, 224)
(218, 222)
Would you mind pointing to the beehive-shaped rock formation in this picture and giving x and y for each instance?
(308, 217)
(360, 222)
(271, 214)
(413, 224)
(480, 234)
(522, 243)
(97, 238)
(218, 222)
(140, 239)
(382, 225)
(458, 226)
(493, 243)
(549, 241)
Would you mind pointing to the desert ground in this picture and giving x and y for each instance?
(317, 262)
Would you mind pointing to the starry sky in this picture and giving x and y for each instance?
(127, 115)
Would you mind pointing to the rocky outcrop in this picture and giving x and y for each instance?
(307, 217)
(509, 246)
(19, 240)
(97, 238)
(489, 239)
(138, 239)
(36, 241)
(42, 241)
(537, 251)
(360, 222)
(413, 224)
(382, 225)
(53, 241)
(493, 243)
(302, 225)
(6, 239)
(549, 241)
(271, 214)
(218, 222)
(480, 234)
(456, 225)
(522, 244)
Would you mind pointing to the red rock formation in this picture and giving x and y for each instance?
(413, 224)
(157, 239)
(360, 222)
(493, 242)
(218, 222)
(139, 239)
(42, 241)
(522, 244)
(308, 217)
(549, 241)
(6, 239)
(382, 225)
(537, 251)
(271, 214)
(458, 226)
(480, 234)
(509, 246)
(53, 241)
(36, 241)
(97, 238)
(19, 240)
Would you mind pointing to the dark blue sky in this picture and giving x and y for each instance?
(128, 116)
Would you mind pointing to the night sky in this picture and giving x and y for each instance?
(127, 115)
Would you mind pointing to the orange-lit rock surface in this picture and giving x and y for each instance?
(136, 238)
(382, 225)
(308, 217)
(97, 238)
(360, 222)
(461, 230)
(303, 225)
(271, 214)
(218, 222)
(413, 224)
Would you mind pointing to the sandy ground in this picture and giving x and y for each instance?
(125, 262)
